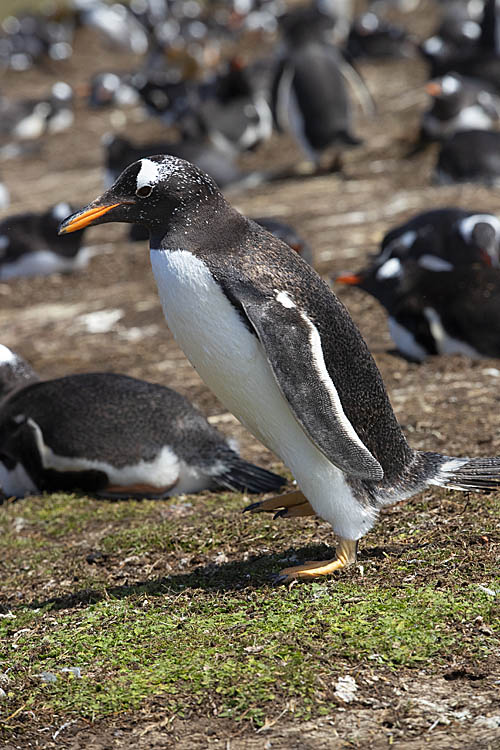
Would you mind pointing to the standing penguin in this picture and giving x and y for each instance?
(309, 94)
(270, 338)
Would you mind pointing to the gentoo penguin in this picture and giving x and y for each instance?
(467, 44)
(453, 311)
(113, 436)
(470, 156)
(270, 338)
(440, 240)
(309, 94)
(457, 39)
(459, 103)
(31, 246)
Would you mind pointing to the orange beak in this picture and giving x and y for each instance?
(433, 88)
(82, 219)
(350, 278)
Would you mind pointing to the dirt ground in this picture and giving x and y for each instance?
(449, 404)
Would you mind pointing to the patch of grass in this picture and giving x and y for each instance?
(241, 651)
(180, 608)
(59, 515)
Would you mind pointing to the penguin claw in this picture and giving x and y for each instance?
(278, 579)
(280, 513)
(251, 507)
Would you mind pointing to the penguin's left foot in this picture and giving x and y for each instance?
(346, 555)
(290, 505)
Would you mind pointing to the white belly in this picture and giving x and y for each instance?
(43, 263)
(232, 363)
(16, 482)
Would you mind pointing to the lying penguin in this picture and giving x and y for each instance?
(430, 312)
(30, 245)
(112, 436)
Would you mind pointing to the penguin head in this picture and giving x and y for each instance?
(151, 191)
(448, 95)
(382, 281)
(484, 237)
(478, 240)
(303, 23)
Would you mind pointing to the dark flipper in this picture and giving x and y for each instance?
(244, 476)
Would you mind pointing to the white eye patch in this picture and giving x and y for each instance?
(433, 45)
(6, 355)
(389, 269)
(466, 226)
(148, 174)
(450, 84)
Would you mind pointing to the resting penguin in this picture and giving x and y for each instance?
(453, 310)
(270, 338)
(30, 245)
(112, 436)
(441, 240)
(459, 103)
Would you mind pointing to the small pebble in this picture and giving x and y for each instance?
(75, 671)
(48, 677)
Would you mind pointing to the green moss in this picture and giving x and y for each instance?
(243, 650)
(215, 635)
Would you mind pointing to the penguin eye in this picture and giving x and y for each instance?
(144, 191)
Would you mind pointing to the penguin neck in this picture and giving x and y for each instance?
(198, 225)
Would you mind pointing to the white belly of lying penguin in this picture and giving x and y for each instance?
(231, 361)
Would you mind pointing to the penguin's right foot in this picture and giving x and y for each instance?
(290, 505)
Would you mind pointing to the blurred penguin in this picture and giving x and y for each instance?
(309, 92)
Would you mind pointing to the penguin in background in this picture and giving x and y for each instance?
(459, 103)
(112, 436)
(309, 94)
(443, 239)
(431, 312)
(30, 245)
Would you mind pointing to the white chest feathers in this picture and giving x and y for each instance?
(207, 327)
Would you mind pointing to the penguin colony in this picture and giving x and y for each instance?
(266, 334)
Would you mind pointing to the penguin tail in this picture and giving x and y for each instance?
(466, 474)
(243, 476)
